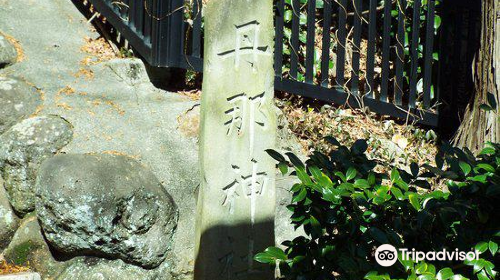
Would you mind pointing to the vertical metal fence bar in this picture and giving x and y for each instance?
(356, 48)
(180, 55)
(311, 15)
(124, 8)
(455, 58)
(370, 56)
(439, 69)
(414, 53)
(429, 42)
(294, 52)
(172, 19)
(158, 46)
(148, 18)
(386, 51)
(325, 51)
(139, 16)
(278, 45)
(127, 10)
(400, 52)
(196, 39)
(167, 33)
(132, 13)
(341, 41)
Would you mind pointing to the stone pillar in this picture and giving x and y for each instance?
(235, 215)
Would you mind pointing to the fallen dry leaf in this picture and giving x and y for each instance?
(400, 140)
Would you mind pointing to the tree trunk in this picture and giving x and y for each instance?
(479, 125)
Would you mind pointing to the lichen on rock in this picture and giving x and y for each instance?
(22, 149)
(105, 205)
(18, 100)
(8, 220)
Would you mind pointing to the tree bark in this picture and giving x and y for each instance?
(478, 125)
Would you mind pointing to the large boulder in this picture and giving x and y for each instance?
(8, 220)
(18, 100)
(105, 205)
(22, 149)
(8, 53)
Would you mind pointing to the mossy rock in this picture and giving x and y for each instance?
(8, 219)
(20, 253)
(28, 248)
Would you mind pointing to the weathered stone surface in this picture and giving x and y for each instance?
(8, 53)
(286, 140)
(236, 202)
(189, 122)
(105, 205)
(18, 100)
(22, 149)
(21, 276)
(28, 248)
(94, 268)
(90, 268)
(284, 229)
(8, 220)
(129, 70)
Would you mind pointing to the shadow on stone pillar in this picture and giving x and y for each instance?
(209, 264)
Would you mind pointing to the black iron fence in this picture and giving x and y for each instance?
(154, 28)
(383, 54)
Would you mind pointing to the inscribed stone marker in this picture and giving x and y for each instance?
(235, 215)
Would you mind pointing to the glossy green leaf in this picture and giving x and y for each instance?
(303, 176)
(395, 175)
(341, 176)
(493, 246)
(465, 168)
(287, 15)
(295, 160)
(414, 169)
(371, 179)
(421, 267)
(437, 21)
(444, 274)
(487, 151)
(351, 174)
(361, 183)
(485, 107)
(275, 155)
(300, 196)
(378, 235)
(283, 168)
(486, 167)
(397, 194)
(264, 258)
(276, 253)
(413, 198)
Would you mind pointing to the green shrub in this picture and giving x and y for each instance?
(347, 210)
